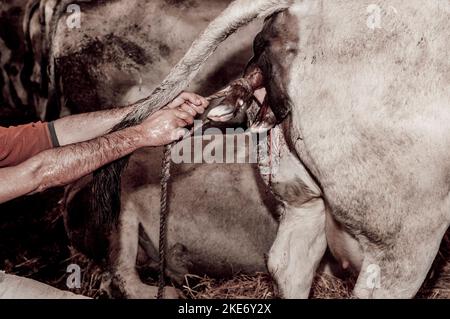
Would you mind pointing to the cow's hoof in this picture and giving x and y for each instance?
(171, 293)
(150, 292)
(135, 289)
(143, 291)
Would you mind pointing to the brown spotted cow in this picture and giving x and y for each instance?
(110, 61)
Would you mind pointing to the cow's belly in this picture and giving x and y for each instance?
(218, 212)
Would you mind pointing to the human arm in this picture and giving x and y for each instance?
(60, 166)
(84, 127)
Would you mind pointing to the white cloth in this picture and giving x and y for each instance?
(14, 287)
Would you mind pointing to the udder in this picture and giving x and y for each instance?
(344, 247)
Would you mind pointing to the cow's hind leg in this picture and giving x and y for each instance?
(398, 271)
(301, 241)
(298, 249)
(124, 251)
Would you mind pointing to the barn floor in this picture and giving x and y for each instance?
(33, 244)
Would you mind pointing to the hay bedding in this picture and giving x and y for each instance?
(325, 286)
(33, 244)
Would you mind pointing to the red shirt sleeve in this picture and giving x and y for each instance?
(19, 143)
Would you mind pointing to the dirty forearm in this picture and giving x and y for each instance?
(84, 127)
(65, 165)
(61, 166)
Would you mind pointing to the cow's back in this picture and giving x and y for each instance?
(124, 49)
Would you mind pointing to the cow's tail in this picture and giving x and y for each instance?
(106, 184)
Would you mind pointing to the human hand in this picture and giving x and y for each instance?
(167, 125)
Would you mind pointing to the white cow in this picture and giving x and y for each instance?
(367, 134)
